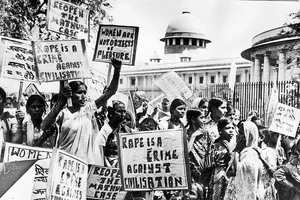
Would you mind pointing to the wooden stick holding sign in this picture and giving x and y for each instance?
(108, 74)
(20, 95)
(69, 100)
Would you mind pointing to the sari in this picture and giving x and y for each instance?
(77, 133)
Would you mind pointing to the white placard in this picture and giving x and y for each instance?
(154, 160)
(173, 86)
(285, 120)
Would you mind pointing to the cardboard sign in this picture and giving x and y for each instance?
(154, 160)
(116, 42)
(67, 177)
(18, 152)
(32, 89)
(41, 168)
(104, 183)
(173, 86)
(60, 60)
(17, 61)
(96, 84)
(285, 120)
(67, 19)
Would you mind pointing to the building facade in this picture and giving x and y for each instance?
(186, 52)
(273, 55)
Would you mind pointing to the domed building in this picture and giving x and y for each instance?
(273, 55)
(185, 52)
(185, 32)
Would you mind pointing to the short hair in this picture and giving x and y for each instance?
(198, 102)
(2, 93)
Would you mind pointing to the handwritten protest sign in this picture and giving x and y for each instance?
(17, 61)
(60, 60)
(67, 19)
(116, 42)
(32, 89)
(104, 183)
(154, 160)
(285, 120)
(96, 84)
(173, 86)
(41, 168)
(67, 177)
(18, 152)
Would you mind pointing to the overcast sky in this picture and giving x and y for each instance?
(230, 24)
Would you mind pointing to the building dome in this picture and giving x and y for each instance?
(187, 26)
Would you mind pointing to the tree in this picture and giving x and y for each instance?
(26, 19)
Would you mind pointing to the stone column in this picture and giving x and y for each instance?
(244, 77)
(256, 74)
(281, 66)
(145, 82)
(266, 70)
(252, 69)
(183, 77)
(205, 81)
(136, 83)
(218, 77)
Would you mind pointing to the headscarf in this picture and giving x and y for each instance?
(196, 102)
(132, 119)
(115, 105)
(251, 134)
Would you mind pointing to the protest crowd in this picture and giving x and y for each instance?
(229, 157)
(71, 146)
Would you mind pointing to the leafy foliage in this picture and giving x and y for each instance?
(26, 19)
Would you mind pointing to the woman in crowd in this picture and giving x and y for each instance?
(162, 110)
(271, 160)
(198, 142)
(8, 123)
(201, 104)
(107, 137)
(129, 119)
(77, 133)
(177, 110)
(218, 158)
(247, 182)
(31, 129)
(288, 175)
(230, 112)
(216, 111)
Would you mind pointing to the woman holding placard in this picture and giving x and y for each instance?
(77, 131)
